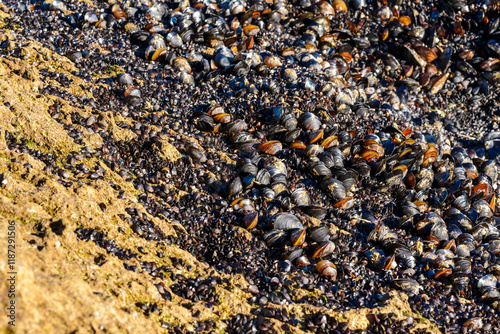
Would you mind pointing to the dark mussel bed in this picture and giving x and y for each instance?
(358, 142)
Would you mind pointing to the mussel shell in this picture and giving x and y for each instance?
(323, 249)
(263, 178)
(204, 122)
(235, 127)
(326, 268)
(292, 135)
(408, 285)
(316, 211)
(298, 236)
(196, 153)
(275, 238)
(320, 169)
(235, 187)
(334, 188)
(272, 147)
(309, 121)
(250, 220)
(319, 233)
(300, 197)
(292, 253)
(286, 221)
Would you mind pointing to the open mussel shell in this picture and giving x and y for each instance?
(298, 236)
(323, 249)
(204, 122)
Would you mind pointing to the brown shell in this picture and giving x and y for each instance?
(272, 61)
(302, 261)
(407, 71)
(298, 145)
(222, 118)
(450, 244)
(438, 83)
(405, 20)
(458, 29)
(344, 204)
(443, 273)
(118, 14)
(339, 6)
(371, 144)
(424, 80)
(430, 156)
(325, 8)
(491, 64)
(158, 53)
(466, 54)
(410, 180)
(390, 262)
(347, 56)
(422, 206)
(288, 52)
(235, 24)
(326, 268)
(249, 43)
(251, 30)
(385, 34)
(370, 155)
(430, 70)
(182, 65)
(426, 53)
(215, 110)
(271, 147)
(330, 142)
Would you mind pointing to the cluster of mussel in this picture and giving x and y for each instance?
(408, 47)
(447, 200)
(174, 37)
(261, 172)
(298, 243)
(445, 195)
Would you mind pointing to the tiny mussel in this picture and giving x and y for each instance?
(326, 268)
